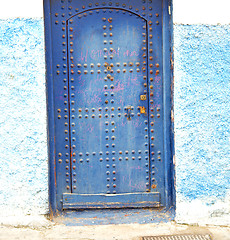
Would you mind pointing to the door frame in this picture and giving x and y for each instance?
(168, 114)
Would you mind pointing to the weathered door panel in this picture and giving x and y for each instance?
(108, 102)
(127, 200)
(107, 72)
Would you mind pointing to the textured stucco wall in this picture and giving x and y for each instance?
(202, 95)
(23, 168)
(202, 125)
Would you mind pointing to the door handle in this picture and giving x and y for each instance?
(129, 110)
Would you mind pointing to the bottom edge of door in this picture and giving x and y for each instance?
(125, 200)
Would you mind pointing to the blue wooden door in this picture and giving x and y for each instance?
(109, 110)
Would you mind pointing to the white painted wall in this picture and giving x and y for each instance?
(21, 9)
(185, 11)
(201, 11)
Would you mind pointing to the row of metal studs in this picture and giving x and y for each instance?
(109, 77)
(105, 71)
(130, 64)
(145, 54)
(81, 160)
(151, 94)
(66, 124)
(106, 115)
(117, 4)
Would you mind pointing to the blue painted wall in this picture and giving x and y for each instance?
(23, 168)
(202, 113)
(202, 116)
(202, 119)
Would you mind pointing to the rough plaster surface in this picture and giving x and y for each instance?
(23, 168)
(202, 113)
(202, 55)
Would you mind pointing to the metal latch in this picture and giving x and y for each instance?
(143, 97)
(142, 110)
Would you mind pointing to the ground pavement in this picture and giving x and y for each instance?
(41, 228)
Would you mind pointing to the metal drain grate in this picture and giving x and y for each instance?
(179, 237)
